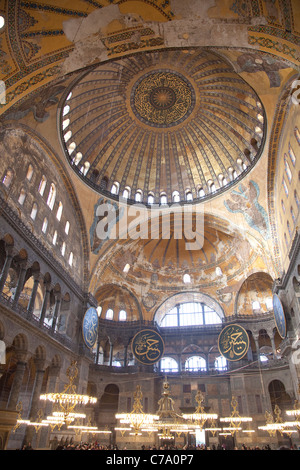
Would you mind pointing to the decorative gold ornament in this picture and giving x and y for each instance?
(199, 418)
(235, 419)
(69, 399)
(137, 418)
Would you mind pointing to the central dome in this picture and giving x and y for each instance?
(165, 126)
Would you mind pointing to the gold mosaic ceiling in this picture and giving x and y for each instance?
(163, 122)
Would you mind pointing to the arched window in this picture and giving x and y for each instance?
(293, 214)
(85, 168)
(45, 225)
(68, 136)
(175, 196)
(59, 211)
(22, 196)
(29, 172)
(63, 248)
(42, 185)
(138, 196)
(286, 190)
(150, 198)
(65, 124)
(66, 110)
(189, 196)
(126, 268)
(163, 198)
(8, 177)
(186, 278)
(286, 240)
(219, 271)
(255, 305)
(77, 158)
(220, 363)
(282, 206)
(71, 259)
(190, 314)
(201, 192)
(263, 358)
(71, 147)
(297, 199)
(292, 155)
(168, 364)
(287, 169)
(269, 303)
(109, 314)
(126, 192)
(115, 188)
(195, 363)
(122, 315)
(67, 227)
(99, 310)
(33, 211)
(51, 196)
(54, 239)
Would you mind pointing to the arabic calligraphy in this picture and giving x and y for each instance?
(233, 342)
(90, 327)
(162, 98)
(147, 346)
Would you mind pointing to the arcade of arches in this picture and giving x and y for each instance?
(150, 168)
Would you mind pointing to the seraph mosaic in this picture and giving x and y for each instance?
(245, 201)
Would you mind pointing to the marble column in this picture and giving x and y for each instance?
(111, 353)
(125, 355)
(17, 381)
(45, 303)
(5, 269)
(35, 403)
(51, 387)
(56, 310)
(21, 282)
(255, 337)
(33, 295)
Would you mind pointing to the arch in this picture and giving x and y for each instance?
(195, 363)
(254, 293)
(8, 178)
(278, 395)
(169, 364)
(201, 301)
(114, 297)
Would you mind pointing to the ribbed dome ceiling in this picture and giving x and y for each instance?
(178, 123)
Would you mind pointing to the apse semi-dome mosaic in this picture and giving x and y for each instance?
(165, 126)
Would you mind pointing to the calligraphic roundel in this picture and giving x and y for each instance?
(148, 346)
(279, 316)
(233, 342)
(90, 327)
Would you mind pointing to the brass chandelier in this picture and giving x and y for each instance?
(68, 399)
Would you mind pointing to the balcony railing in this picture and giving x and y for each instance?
(21, 311)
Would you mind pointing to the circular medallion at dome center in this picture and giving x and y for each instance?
(162, 98)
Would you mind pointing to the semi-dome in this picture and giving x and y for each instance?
(165, 126)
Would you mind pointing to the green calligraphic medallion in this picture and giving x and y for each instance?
(233, 342)
(90, 327)
(279, 316)
(148, 347)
